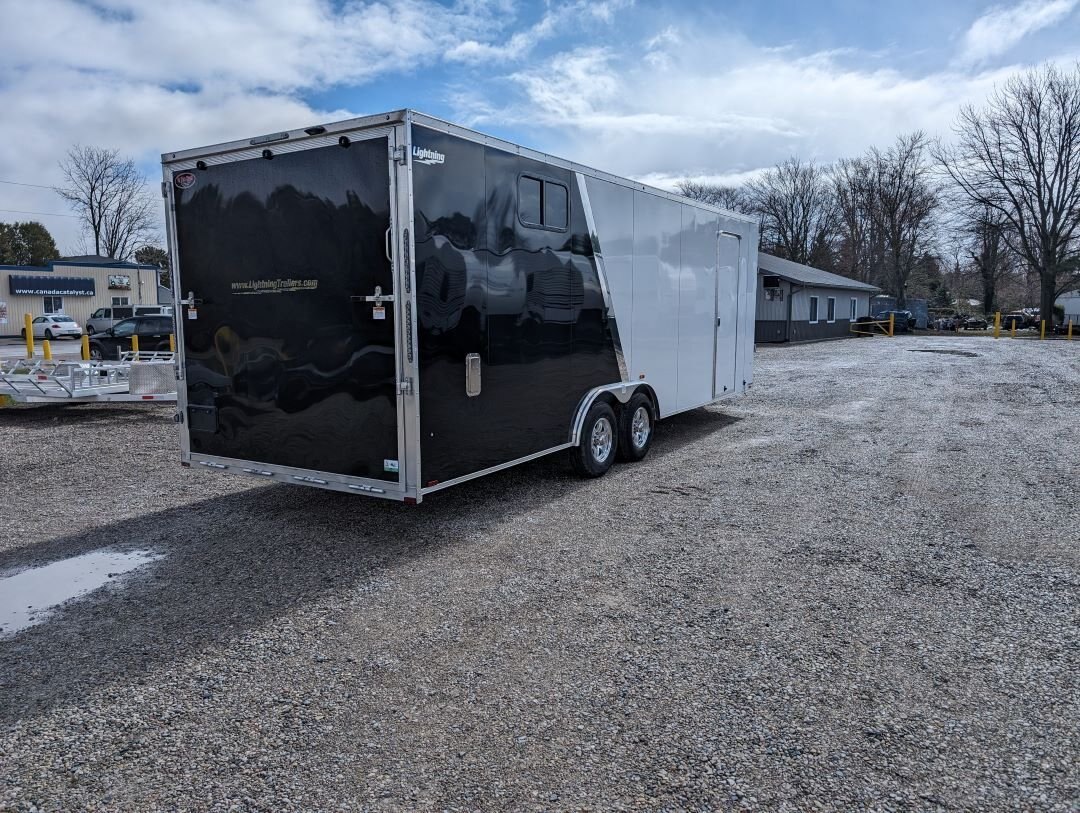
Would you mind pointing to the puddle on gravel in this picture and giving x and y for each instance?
(27, 597)
(944, 352)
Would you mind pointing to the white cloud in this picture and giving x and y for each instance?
(682, 116)
(146, 77)
(521, 43)
(1002, 27)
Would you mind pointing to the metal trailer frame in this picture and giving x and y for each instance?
(71, 381)
(397, 127)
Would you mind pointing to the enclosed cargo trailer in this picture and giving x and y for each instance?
(394, 304)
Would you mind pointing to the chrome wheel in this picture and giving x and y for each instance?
(602, 439)
(640, 427)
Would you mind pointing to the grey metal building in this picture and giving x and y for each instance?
(798, 303)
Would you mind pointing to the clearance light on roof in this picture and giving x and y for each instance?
(266, 139)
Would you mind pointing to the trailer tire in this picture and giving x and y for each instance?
(637, 424)
(593, 456)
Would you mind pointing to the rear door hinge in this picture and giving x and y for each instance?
(397, 155)
(405, 387)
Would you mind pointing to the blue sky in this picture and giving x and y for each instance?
(656, 91)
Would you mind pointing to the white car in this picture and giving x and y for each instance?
(53, 326)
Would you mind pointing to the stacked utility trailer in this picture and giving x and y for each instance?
(135, 377)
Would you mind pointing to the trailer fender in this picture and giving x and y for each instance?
(620, 393)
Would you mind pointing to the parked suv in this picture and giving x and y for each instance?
(153, 333)
(104, 318)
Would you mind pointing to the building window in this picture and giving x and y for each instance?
(813, 310)
(832, 309)
(771, 286)
(121, 300)
(54, 304)
(854, 309)
(543, 204)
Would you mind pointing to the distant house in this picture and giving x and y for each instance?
(798, 303)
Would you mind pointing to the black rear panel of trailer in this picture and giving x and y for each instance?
(285, 362)
(527, 299)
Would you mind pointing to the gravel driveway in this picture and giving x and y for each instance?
(855, 588)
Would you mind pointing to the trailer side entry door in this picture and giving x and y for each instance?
(287, 358)
(727, 313)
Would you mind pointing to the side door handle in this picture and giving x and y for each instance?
(472, 375)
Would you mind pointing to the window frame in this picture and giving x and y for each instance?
(121, 301)
(544, 181)
(134, 329)
(854, 309)
(830, 310)
(815, 310)
(56, 300)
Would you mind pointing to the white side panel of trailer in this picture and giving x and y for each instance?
(613, 216)
(697, 307)
(657, 261)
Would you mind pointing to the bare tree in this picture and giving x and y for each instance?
(905, 201)
(1019, 156)
(885, 208)
(988, 251)
(111, 197)
(795, 202)
(732, 198)
(859, 246)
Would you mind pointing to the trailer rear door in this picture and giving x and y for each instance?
(289, 357)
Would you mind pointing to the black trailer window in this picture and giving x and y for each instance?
(556, 207)
(543, 204)
(529, 200)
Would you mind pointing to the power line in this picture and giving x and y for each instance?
(44, 214)
(39, 186)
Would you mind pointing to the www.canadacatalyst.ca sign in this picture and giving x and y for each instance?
(51, 286)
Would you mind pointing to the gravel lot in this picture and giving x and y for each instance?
(855, 588)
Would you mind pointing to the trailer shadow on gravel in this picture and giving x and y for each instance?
(79, 414)
(233, 563)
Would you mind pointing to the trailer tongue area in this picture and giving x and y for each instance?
(288, 326)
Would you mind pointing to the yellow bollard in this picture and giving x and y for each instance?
(85, 348)
(134, 343)
(46, 349)
(172, 342)
(1042, 328)
(28, 332)
(997, 325)
(892, 323)
(1012, 330)
(1068, 336)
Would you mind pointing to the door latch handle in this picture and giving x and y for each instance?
(378, 298)
(388, 247)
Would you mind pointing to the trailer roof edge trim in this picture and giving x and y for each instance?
(407, 115)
